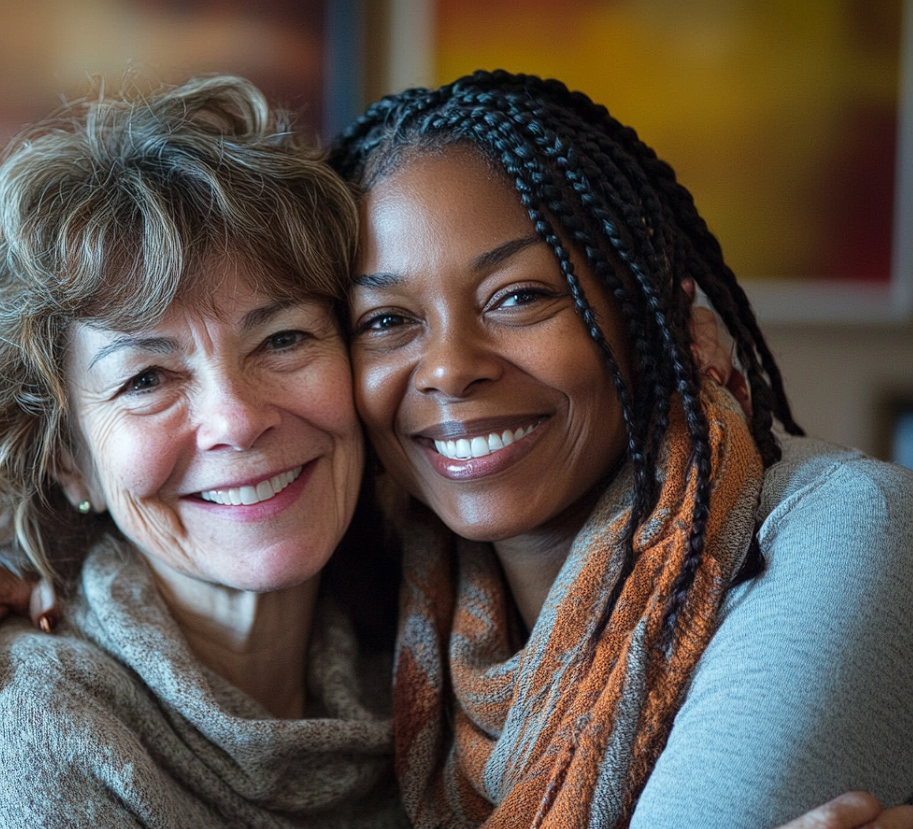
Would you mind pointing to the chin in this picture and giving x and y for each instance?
(264, 577)
(478, 528)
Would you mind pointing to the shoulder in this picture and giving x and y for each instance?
(57, 688)
(44, 664)
(814, 474)
(835, 519)
(67, 741)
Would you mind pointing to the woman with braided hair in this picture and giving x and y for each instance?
(624, 603)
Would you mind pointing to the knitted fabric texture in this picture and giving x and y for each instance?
(112, 721)
(565, 732)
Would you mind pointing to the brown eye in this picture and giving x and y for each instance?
(382, 322)
(519, 298)
(386, 321)
(522, 296)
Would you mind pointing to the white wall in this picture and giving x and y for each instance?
(838, 378)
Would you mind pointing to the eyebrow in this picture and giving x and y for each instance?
(154, 345)
(489, 259)
(168, 345)
(260, 316)
(497, 255)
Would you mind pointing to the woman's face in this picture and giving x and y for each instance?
(224, 444)
(478, 383)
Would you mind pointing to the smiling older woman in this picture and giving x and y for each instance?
(179, 435)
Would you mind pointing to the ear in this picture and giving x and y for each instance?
(77, 487)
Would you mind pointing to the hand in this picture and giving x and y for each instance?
(710, 355)
(35, 599)
(854, 810)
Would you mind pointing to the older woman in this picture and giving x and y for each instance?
(179, 439)
(582, 641)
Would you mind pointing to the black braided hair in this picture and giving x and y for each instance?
(587, 180)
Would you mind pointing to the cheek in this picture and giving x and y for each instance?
(596, 421)
(378, 394)
(137, 466)
(331, 409)
(122, 457)
(330, 405)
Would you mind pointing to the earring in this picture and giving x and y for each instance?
(84, 507)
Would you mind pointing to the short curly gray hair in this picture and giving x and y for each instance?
(109, 210)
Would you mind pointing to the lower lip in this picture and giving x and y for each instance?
(473, 468)
(263, 509)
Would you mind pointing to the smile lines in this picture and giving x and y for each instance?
(463, 449)
(248, 495)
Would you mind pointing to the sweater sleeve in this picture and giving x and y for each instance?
(36, 789)
(805, 691)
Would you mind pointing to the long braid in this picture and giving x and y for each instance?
(525, 169)
(586, 179)
(715, 278)
(682, 373)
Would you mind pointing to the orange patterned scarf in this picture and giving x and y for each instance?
(565, 732)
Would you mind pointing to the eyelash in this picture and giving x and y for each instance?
(292, 338)
(295, 338)
(374, 322)
(131, 386)
(530, 293)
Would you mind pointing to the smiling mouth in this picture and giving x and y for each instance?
(247, 495)
(464, 449)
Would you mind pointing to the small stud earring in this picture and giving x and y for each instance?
(84, 507)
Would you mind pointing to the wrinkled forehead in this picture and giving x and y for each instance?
(205, 286)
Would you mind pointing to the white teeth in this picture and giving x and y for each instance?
(252, 495)
(465, 448)
(479, 447)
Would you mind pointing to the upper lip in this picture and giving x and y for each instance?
(452, 429)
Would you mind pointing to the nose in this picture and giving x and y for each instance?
(456, 361)
(233, 413)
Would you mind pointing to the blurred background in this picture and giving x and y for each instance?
(791, 121)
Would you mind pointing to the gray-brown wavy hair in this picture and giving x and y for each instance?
(109, 210)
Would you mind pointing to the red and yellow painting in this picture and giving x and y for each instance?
(780, 116)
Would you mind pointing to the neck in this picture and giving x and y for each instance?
(256, 641)
(530, 570)
(532, 561)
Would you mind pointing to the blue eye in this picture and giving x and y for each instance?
(285, 339)
(146, 380)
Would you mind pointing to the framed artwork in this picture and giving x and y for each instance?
(305, 54)
(790, 122)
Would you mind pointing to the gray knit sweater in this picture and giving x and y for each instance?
(112, 722)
